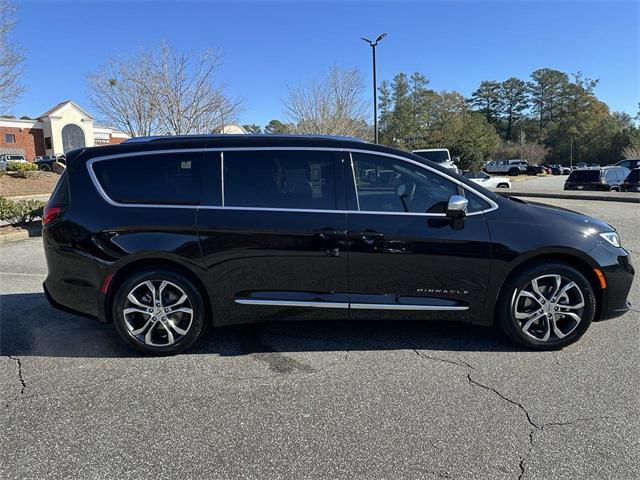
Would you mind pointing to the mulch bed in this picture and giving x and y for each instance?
(36, 183)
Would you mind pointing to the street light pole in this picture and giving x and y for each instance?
(373, 46)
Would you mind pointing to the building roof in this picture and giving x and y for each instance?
(60, 105)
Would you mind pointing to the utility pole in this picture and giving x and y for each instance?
(571, 153)
(373, 46)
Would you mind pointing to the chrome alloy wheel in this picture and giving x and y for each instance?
(549, 307)
(158, 313)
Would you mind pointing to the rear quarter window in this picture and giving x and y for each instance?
(161, 178)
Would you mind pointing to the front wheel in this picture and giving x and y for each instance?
(45, 168)
(514, 172)
(159, 312)
(547, 306)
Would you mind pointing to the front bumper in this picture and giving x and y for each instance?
(619, 278)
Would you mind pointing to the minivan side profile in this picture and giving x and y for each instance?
(165, 236)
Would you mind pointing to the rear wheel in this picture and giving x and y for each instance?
(159, 312)
(45, 167)
(614, 189)
(547, 306)
(503, 185)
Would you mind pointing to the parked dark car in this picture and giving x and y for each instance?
(608, 179)
(630, 164)
(535, 170)
(164, 236)
(632, 182)
(45, 163)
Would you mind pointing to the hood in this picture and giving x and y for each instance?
(558, 217)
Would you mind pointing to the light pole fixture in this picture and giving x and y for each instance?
(375, 87)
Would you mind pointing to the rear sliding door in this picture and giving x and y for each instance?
(273, 235)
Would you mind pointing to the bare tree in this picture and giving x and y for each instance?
(332, 105)
(11, 58)
(163, 92)
(187, 100)
(124, 93)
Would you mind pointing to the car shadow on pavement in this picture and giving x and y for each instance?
(29, 326)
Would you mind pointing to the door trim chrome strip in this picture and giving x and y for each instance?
(287, 303)
(397, 306)
(355, 306)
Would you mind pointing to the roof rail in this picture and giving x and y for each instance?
(213, 136)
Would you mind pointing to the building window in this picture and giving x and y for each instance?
(9, 138)
(47, 143)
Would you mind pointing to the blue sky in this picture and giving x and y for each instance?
(269, 45)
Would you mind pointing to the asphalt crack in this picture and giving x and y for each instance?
(534, 426)
(20, 376)
(459, 363)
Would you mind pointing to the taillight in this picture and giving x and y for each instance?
(50, 213)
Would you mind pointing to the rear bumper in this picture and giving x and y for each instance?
(73, 281)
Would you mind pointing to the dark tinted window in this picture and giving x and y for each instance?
(280, 179)
(584, 176)
(437, 156)
(634, 176)
(389, 185)
(167, 178)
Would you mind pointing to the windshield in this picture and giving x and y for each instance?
(438, 156)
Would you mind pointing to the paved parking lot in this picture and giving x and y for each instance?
(316, 400)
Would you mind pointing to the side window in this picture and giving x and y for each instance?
(165, 178)
(386, 184)
(280, 179)
(610, 175)
(476, 204)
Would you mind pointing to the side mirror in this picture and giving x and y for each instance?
(457, 207)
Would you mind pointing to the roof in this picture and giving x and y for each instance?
(233, 141)
(60, 105)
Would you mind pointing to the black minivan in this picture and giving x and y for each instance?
(165, 235)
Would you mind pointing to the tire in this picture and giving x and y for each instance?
(45, 168)
(614, 189)
(163, 328)
(514, 172)
(503, 185)
(513, 302)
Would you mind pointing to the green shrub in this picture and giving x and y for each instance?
(21, 169)
(19, 212)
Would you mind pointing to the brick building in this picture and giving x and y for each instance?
(62, 128)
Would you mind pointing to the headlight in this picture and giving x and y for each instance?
(612, 237)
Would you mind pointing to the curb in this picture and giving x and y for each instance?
(573, 196)
(23, 234)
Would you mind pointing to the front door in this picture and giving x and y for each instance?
(273, 235)
(407, 259)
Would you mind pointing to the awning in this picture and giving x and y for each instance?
(12, 151)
